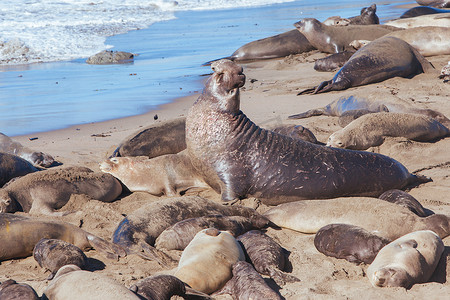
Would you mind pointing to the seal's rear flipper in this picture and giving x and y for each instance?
(281, 278)
(307, 114)
(151, 253)
(324, 87)
(307, 91)
(116, 153)
(417, 179)
(192, 294)
(110, 250)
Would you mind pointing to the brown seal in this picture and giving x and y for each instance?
(267, 256)
(404, 199)
(46, 191)
(368, 16)
(334, 39)
(435, 3)
(349, 242)
(370, 130)
(179, 235)
(239, 159)
(11, 290)
(12, 166)
(384, 58)
(308, 216)
(52, 254)
(406, 261)
(333, 61)
(422, 10)
(19, 236)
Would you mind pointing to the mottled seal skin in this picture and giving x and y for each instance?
(349, 242)
(247, 284)
(434, 3)
(266, 255)
(12, 166)
(179, 235)
(421, 10)
(71, 282)
(441, 20)
(159, 287)
(367, 17)
(210, 247)
(139, 230)
(384, 58)
(46, 191)
(169, 174)
(404, 199)
(333, 61)
(11, 290)
(19, 236)
(239, 159)
(308, 216)
(406, 261)
(155, 140)
(334, 39)
(39, 159)
(370, 130)
(297, 132)
(52, 254)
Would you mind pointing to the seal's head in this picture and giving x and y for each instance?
(391, 277)
(41, 159)
(336, 21)
(369, 13)
(7, 203)
(113, 164)
(307, 24)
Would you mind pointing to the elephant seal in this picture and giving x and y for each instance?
(368, 16)
(247, 284)
(239, 159)
(169, 174)
(280, 45)
(441, 20)
(52, 254)
(434, 3)
(333, 61)
(46, 191)
(210, 247)
(11, 290)
(12, 166)
(352, 243)
(71, 282)
(179, 235)
(334, 39)
(422, 10)
(404, 199)
(406, 261)
(370, 130)
(445, 73)
(39, 159)
(384, 58)
(266, 255)
(139, 230)
(19, 236)
(308, 216)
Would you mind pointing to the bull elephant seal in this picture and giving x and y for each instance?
(370, 130)
(12, 166)
(46, 191)
(334, 39)
(368, 16)
(39, 159)
(434, 3)
(404, 199)
(349, 242)
(441, 20)
(210, 247)
(71, 282)
(239, 159)
(381, 59)
(406, 261)
(11, 290)
(52, 254)
(422, 10)
(333, 61)
(308, 216)
(19, 236)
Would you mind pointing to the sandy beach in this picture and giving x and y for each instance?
(268, 97)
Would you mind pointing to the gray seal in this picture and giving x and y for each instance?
(12, 166)
(11, 290)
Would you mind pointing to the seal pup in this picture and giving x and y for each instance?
(71, 282)
(52, 254)
(10, 290)
(352, 243)
(19, 236)
(370, 130)
(441, 20)
(210, 247)
(247, 284)
(169, 174)
(445, 73)
(39, 159)
(422, 10)
(367, 16)
(266, 255)
(406, 261)
(308, 216)
(46, 191)
(333, 61)
(239, 159)
(404, 199)
(12, 166)
(179, 235)
(434, 3)
(334, 39)
(383, 58)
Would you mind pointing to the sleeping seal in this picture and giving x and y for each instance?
(12, 166)
(404, 199)
(11, 290)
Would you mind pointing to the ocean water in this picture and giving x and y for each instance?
(45, 83)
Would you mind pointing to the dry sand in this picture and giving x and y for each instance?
(267, 99)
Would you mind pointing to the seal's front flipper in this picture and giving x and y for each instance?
(281, 278)
(110, 250)
(307, 114)
(151, 253)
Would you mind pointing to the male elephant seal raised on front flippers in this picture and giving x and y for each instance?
(12, 166)
(368, 16)
(239, 159)
(11, 290)
(406, 261)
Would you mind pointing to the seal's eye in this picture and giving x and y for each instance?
(114, 160)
